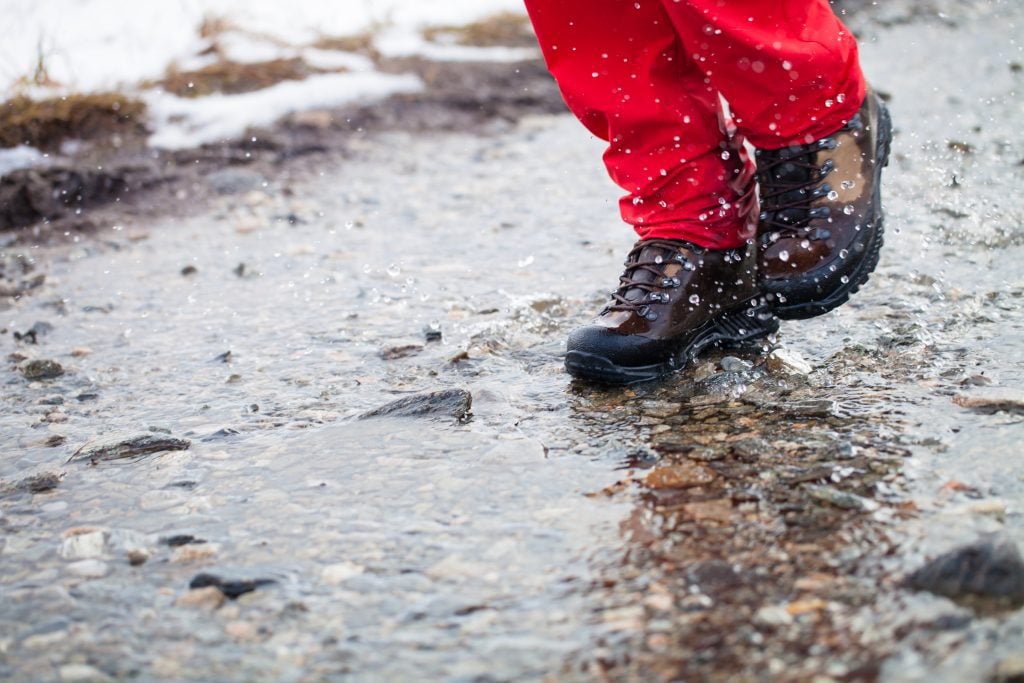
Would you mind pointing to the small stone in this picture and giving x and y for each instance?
(81, 352)
(787, 362)
(84, 546)
(400, 351)
(710, 510)
(336, 574)
(682, 476)
(320, 119)
(241, 630)
(734, 364)
(137, 557)
(234, 180)
(232, 588)
(1010, 669)
(89, 569)
(991, 508)
(842, 499)
(189, 270)
(989, 568)
(42, 482)
(208, 597)
(455, 403)
(81, 673)
(42, 369)
(773, 616)
(194, 553)
(993, 401)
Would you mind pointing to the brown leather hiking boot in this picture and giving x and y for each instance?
(821, 222)
(674, 300)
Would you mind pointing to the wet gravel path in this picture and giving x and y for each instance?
(188, 491)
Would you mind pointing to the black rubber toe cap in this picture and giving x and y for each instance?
(623, 350)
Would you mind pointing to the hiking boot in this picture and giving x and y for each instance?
(820, 228)
(674, 300)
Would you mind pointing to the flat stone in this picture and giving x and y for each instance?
(989, 568)
(841, 499)
(208, 597)
(456, 403)
(89, 569)
(234, 180)
(682, 476)
(119, 447)
(81, 673)
(993, 401)
(787, 362)
(335, 574)
(710, 510)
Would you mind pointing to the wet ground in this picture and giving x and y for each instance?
(746, 520)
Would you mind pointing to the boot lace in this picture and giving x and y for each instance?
(644, 282)
(790, 182)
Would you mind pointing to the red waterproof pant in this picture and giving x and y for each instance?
(646, 76)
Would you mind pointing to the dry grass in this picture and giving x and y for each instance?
(45, 124)
(232, 78)
(360, 43)
(503, 29)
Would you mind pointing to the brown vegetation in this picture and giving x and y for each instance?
(232, 78)
(503, 29)
(47, 123)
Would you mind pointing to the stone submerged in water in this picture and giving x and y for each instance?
(119, 447)
(990, 569)
(456, 403)
(231, 588)
(42, 369)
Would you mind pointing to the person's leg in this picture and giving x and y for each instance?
(625, 75)
(690, 281)
(790, 71)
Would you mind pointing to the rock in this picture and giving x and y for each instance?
(787, 362)
(81, 673)
(1010, 669)
(682, 476)
(990, 568)
(841, 499)
(814, 407)
(710, 510)
(241, 630)
(42, 369)
(208, 597)
(734, 364)
(137, 557)
(432, 332)
(80, 352)
(335, 574)
(84, 546)
(400, 351)
(773, 616)
(993, 401)
(37, 483)
(232, 588)
(118, 447)
(455, 403)
(234, 180)
(189, 270)
(319, 119)
(89, 569)
(194, 553)
(32, 335)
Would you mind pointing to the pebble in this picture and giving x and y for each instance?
(734, 364)
(841, 499)
(81, 673)
(42, 369)
(1010, 669)
(400, 351)
(234, 180)
(194, 553)
(682, 476)
(710, 510)
(773, 616)
(81, 352)
(335, 574)
(993, 401)
(241, 630)
(89, 569)
(787, 362)
(84, 546)
(208, 597)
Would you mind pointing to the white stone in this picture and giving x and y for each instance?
(89, 569)
(81, 673)
(336, 574)
(788, 362)
(84, 546)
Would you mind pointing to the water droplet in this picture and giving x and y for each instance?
(659, 259)
(843, 253)
(833, 195)
(725, 154)
(783, 255)
(394, 271)
(805, 244)
(829, 103)
(844, 279)
(847, 184)
(848, 209)
(367, 268)
(694, 299)
(525, 261)
(841, 97)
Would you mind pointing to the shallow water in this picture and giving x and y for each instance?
(521, 544)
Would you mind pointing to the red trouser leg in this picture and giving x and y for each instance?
(637, 76)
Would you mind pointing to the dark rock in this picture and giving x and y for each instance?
(189, 270)
(37, 483)
(233, 588)
(402, 351)
(455, 403)
(432, 332)
(116, 448)
(223, 357)
(179, 540)
(989, 568)
(42, 369)
(32, 335)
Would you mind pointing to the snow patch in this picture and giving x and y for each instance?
(18, 157)
(189, 122)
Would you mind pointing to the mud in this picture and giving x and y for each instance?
(761, 515)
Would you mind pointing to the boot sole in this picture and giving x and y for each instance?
(728, 330)
(860, 276)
